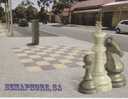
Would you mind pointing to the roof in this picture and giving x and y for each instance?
(116, 3)
(90, 3)
(90, 11)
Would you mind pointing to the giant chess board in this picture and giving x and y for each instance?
(50, 57)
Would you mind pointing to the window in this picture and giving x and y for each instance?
(124, 22)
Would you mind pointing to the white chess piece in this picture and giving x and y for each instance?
(101, 79)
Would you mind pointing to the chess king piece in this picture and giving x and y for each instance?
(114, 65)
(87, 85)
(101, 79)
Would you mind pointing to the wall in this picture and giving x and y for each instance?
(117, 17)
(84, 18)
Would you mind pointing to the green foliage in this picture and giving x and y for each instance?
(26, 10)
(27, 3)
(44, 3)
(20, 11)
(61, 4)
(58, 6)
(31, 13)
(1, 11)
(3, 1)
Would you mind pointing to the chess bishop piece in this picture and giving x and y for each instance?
(87, 85)
(114, 65)
(101, 79)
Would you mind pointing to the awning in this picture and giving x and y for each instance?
(116, 3)
(82, 5)
(87, 11)
(116, 6)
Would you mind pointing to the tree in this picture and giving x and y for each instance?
(43, 15)
(26, 10)
(27, 3)
(20, 11)
(44, 3)
(6, 14)
(1, 11)
(31, 13)
(60, 5)
(3, 1)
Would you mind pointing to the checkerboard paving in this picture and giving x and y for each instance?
(38, 58)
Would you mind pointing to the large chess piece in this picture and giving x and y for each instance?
(101, 79)
(114, 65)
(35, 33)
(87, 85)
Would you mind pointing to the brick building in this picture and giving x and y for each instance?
(117, 10)
(85, 12)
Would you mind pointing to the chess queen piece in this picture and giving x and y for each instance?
(87, 85)
(114, 65)
(101, 79)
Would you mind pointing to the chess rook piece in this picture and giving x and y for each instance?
(114, 65)
(87, 85)
(35, 33)
(101, 79)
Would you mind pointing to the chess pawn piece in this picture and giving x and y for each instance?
(87, 85)
(114, 65)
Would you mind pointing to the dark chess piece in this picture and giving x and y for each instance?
(87, 85)
(114, 65)
(35, 33)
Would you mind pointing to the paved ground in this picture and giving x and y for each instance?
(84, 33)
(79, 32)
(13, 71)
(2, 30)
(27, 32)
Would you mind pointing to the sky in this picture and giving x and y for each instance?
(16, 2)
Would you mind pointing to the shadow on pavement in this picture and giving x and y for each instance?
(123, 33)
(64, 25)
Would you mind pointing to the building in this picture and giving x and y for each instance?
(117, 10)
(85, 12)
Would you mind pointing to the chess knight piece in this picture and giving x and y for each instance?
(114, 65)
(87, 85)
(100, 77)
